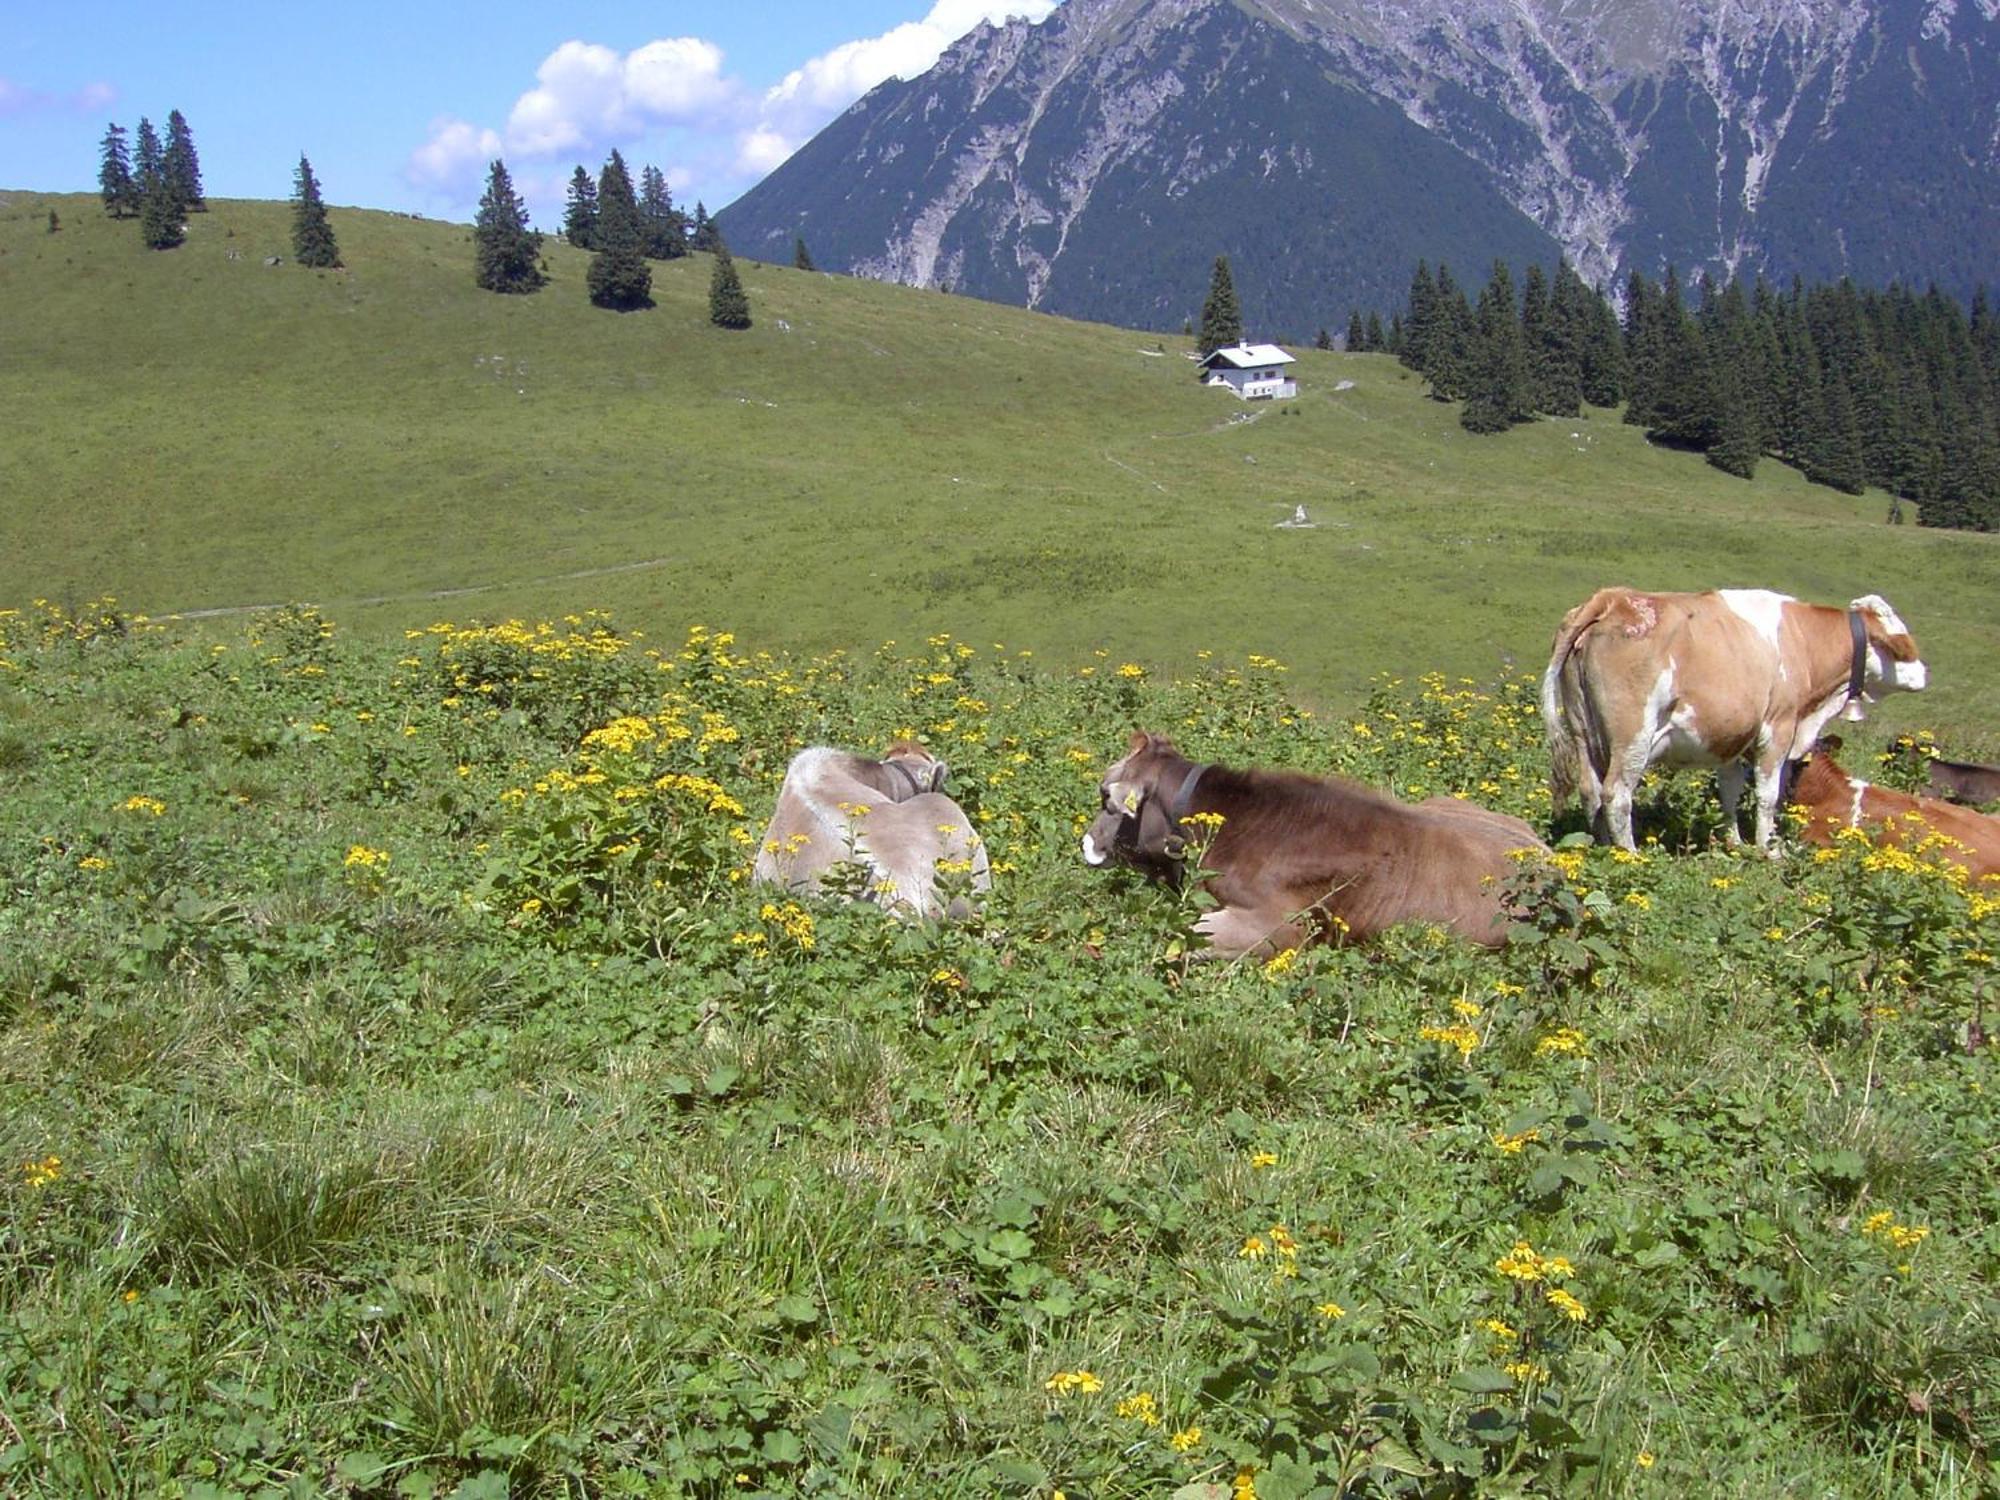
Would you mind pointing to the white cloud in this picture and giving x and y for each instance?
(678, 81)
(830, 82)
(588, 98)
(454, 159)
(16, 99)
(763, 149)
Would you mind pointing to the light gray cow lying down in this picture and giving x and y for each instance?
(889, 816)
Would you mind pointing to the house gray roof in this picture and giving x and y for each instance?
(1243, 356)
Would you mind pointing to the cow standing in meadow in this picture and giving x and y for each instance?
(1835, 801)
(1297, 858)
(1739, 679)
(888, 816)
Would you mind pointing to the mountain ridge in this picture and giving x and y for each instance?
(1789, 137)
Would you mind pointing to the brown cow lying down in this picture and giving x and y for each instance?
(1293, 853)
(1834, 801)
(889, 816)
(1962, 781)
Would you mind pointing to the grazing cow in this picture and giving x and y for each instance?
(1298, 858)
(1834, 801)
(1961, 781)
(1740, 679)
(889, 816)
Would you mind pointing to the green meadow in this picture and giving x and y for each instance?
(405, 1093)
(194, 430)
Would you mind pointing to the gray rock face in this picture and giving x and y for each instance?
(1096, 163)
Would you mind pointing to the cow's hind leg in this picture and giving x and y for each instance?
(1729, 782)
(1770, 777)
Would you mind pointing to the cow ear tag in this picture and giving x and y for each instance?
(1127, 798)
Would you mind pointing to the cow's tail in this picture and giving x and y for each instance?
(1565, 745)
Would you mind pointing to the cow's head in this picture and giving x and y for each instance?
(1132, 825)
(914, 770)
(1890, 664)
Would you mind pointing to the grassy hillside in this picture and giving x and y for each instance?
(194, 430)
(403, 1094)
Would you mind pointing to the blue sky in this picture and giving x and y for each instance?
(402, 106)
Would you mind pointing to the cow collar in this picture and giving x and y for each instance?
(1178, 809)
(1859, 632)
(916, 787)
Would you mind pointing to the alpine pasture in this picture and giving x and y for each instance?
(407, 1093)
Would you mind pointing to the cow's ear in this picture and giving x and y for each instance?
(1140, 740)
(1125, 796)
(935, 774)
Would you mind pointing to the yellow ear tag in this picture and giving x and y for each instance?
(1132, 800)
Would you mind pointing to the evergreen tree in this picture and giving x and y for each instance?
(664, 229)
(1397, 340)
(506, 253)
(1371, 336)
(1450, 340)
(147, 157)
(115, 182)
(1497, 393)
(1601, 352)
(801, 257)
(1221, 317)
(728, 307)
(703, 235)
(580, 211)
(312, 235)
(1323, 340)
(1735, 443)
(159, 212)
(1551, 338)
(181, 167)
(1414, 350)
(619, 277)
(1357, 335)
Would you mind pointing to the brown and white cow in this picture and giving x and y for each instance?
(1298, 858)
(1834, 801)
(1740, 679)
(888, 816)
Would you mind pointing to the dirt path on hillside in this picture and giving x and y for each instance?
(219, 611)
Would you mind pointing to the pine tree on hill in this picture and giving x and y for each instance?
(1357, 334)
(147, 156)
(1323, 340)
(115, 183)
(1221, 316)
(181, 167)
(1450, 340)
(1497, 394)
(312, 234)
(728, 306)
(703, 235)
(1549, 340)
(664, 228)
(1371, 336)
(619, 277)
(159, 213)
(1397, 340)
(801, 257)
(580, 211)
(1416, 329)
(506, 253)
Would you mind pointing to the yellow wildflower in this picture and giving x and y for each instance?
(1186, 1440)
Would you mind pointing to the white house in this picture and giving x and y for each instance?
(1255, 372)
